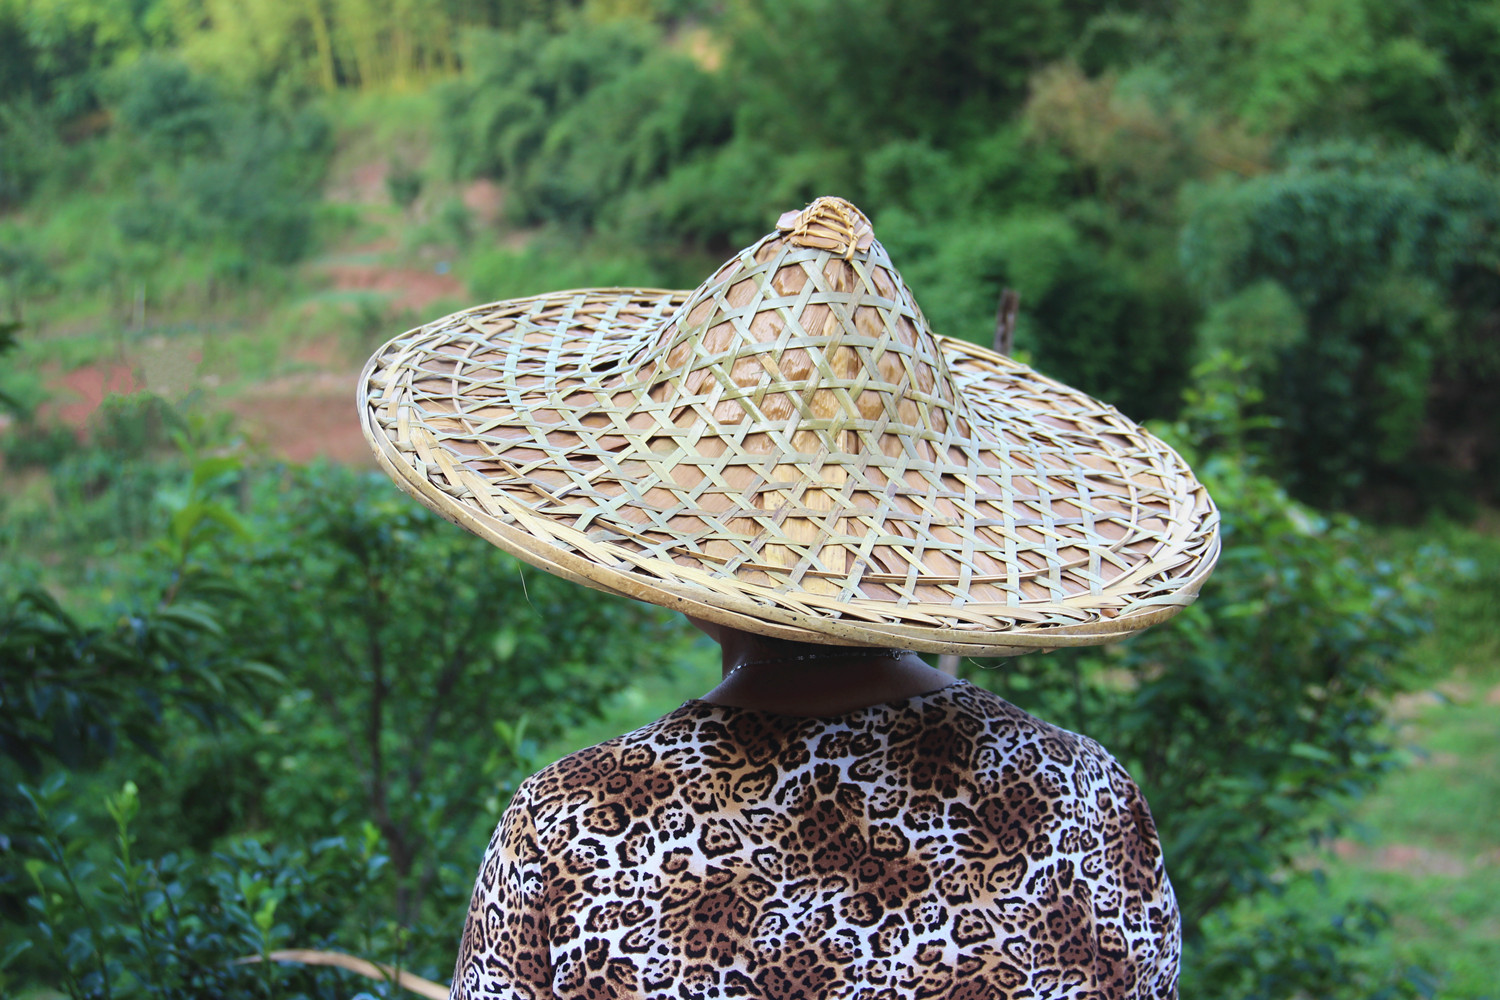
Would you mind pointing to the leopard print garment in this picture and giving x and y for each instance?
(948, 845)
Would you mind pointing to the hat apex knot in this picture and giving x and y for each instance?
(828, 224)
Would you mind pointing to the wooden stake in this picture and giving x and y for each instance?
(1005, 321)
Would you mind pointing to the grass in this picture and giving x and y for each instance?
(1425, 846)
(241, 334)
(385, 124)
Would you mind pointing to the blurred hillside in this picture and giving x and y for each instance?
(1309, 184)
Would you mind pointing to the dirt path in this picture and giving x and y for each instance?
(77, 394)
(303, 417)
(406, 289)
(312, 415)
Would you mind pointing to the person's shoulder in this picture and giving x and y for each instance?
(1015, 725)
(597, 767)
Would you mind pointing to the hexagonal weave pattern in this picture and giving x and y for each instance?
(789, 449)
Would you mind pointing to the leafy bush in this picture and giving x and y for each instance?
(1085, 318)
(173, 111)
(57, 55)
(31, 151)
(556, 260)
(111, 923)
(108, 501)
(1391, 264)
(73, 690)
(836, 74)
(422, 664)
(107, 481)
(575, 120)
(217, 170)
(30, 444)
(421, 669)
(1257, 716)
(403, 182)
(77, 693)
(1296, 954)
(24, 270)
(11, 403)
(135, 425)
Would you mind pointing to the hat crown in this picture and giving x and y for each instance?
(811, 334)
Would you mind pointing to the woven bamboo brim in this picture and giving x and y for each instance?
(789, 450)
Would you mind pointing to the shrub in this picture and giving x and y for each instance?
(846, 75)
(1085, 318)
(111, 923)
(24, 271)
(422, 668)
(31, 151)
(1390, 260)
(12, 402)
(104, 486)
(1254, 719)
(173, 111)
(30, 444)
(74, 690)
(403, 182)
(1294, 954)
(574, 121)
(217, 171)
(422, 663)
(558, 260)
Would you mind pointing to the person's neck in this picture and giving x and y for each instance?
(806, 679)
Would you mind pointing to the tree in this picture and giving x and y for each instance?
(1391, 259)
(428, 660)
(575, 122)
(839, 74)
(235, 173)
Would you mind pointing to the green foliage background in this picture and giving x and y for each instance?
(246, 706)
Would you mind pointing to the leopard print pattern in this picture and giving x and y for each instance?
(948, 845)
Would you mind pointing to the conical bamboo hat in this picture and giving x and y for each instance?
(789, 449)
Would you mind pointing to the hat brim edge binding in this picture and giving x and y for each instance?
(750, 615)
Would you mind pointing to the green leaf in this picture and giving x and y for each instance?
(13, 952)
(193, 616)
(205, 470)
(265, 671)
